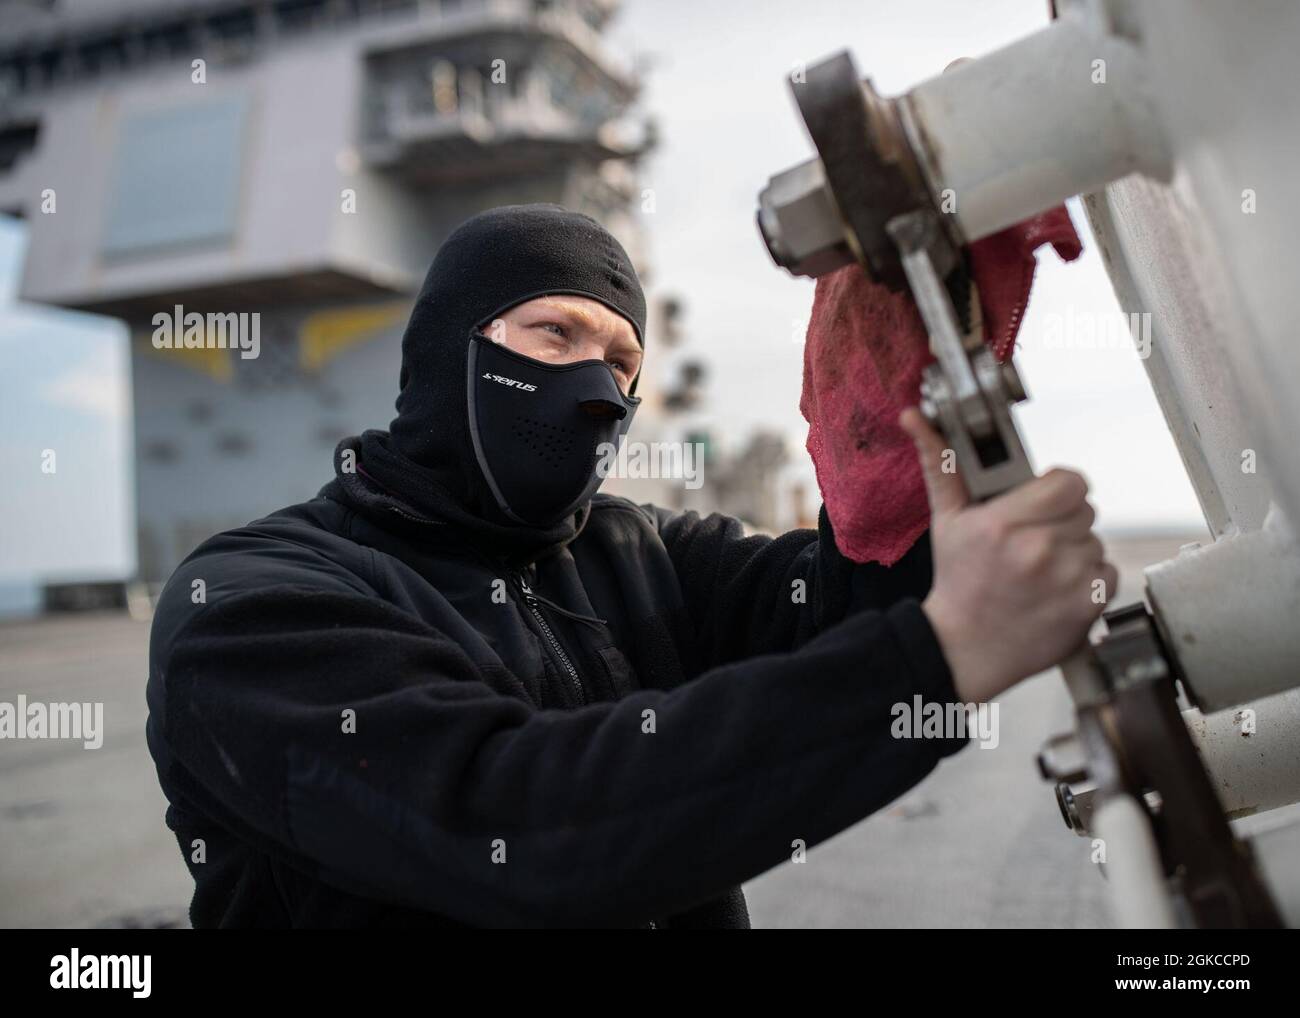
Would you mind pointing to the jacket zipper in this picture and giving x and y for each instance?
(534, 606)
(416, 519)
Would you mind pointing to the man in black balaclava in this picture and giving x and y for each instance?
(460, 434)
(460, 688)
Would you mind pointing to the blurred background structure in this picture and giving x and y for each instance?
(309, 173)
(302, 159)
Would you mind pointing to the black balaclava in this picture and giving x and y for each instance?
(427, 459)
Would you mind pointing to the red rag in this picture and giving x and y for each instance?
(866, 465)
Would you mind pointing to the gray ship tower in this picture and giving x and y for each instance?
(301, 159)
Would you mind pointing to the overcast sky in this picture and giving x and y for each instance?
(716, 85)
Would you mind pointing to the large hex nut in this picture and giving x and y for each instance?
(800, 223)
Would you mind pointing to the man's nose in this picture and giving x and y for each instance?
(603, 409)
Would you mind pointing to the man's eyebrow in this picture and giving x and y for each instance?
(625, 344)
(573, 310)
(588, 319)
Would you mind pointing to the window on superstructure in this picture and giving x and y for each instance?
(302, 15)
(168, 41)
(104, 55)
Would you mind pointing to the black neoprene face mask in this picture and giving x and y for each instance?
(538, 428)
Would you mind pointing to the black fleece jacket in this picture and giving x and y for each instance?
(394, 706)
(361, 722)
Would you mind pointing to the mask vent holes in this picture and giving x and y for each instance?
(551, 442)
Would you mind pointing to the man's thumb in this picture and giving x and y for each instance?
(944, 486)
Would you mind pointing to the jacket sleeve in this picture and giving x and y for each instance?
(338, 732)
(759, 594)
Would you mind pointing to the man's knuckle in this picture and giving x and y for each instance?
(993, 528)
(1069, 489)
(1036, 551)
(1078, 570)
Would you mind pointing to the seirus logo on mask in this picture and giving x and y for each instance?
(537, 428)
(510, 381)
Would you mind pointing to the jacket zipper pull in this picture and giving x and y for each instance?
(532, 601)
(535, 599)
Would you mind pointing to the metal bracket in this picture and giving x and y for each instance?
(966, 393)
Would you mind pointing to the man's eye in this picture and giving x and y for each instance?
(619, 366)
(555, 326)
